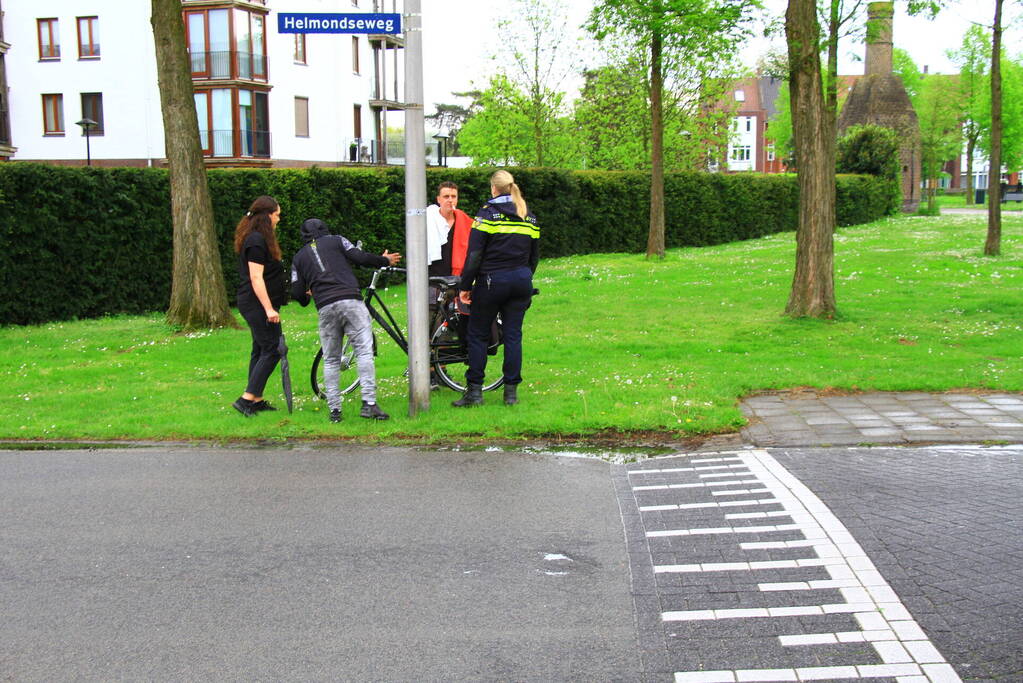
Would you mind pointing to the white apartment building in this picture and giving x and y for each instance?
(263, 98)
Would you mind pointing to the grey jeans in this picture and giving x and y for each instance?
(347, 317)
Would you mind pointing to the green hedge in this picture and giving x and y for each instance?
(85, 242)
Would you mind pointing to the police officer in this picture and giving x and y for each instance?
(498, 278)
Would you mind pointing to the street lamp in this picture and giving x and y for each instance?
(441, 156)
(87, 125)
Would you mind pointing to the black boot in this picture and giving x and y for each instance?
(511, 394)
(473, 396)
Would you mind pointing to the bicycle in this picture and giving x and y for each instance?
(448, 352)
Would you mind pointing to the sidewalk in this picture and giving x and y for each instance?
(809, 418)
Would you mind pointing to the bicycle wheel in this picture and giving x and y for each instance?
(347, 363)
(449, 357)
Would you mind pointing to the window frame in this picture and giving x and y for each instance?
(298, 133)
(97, 115)
(53, 29)
(355, 56)
(57, 100)
(93, 45)
(301, 56)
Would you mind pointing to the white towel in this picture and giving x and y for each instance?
(437, 229)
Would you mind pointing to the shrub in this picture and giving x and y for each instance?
(83, 242)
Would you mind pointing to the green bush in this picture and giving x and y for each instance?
(871, 150)
(84, 242)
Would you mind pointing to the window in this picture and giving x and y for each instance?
(92, 108)
(88, 37)
(741, 153)
(301, 117)
(49, 39)
(53, 114)
(740, 96)
(233, 122)
(770, 152)
(357, 120)
(222, 46)
(300, 49)
(749, 124)
(355, 54)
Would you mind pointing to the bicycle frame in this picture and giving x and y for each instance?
(385, 320)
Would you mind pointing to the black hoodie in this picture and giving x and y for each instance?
(323, 266)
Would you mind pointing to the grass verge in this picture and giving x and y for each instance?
(615, 344)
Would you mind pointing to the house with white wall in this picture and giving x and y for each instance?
(263, 98)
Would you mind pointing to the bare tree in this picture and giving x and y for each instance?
(813, 285)
(198, 297)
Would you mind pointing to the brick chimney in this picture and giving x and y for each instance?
(879, 38)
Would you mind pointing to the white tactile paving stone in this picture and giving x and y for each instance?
(924, 652)
(885, 622)
(705, 677)
(941, 673)
(751, 675)
(824, 673)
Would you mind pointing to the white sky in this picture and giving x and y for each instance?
(459, 37)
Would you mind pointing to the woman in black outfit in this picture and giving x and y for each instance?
(498, 278)
(261, 291)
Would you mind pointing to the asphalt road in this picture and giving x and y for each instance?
(384, 564)
(368, 565)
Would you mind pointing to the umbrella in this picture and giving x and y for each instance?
(282, 347)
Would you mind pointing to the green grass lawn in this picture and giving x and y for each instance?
(958, 201)
(614, 342)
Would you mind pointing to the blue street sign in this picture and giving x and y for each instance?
(338, 23)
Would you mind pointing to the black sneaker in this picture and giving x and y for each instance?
(335, 416)
(244, 406)
(260, 406)
(372, 411)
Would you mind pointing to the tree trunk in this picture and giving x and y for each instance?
(813, 285)
(993, 245)
(198, 298)
(832, 92)
(971, 145)
(655, 241)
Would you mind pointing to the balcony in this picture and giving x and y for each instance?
(228, 65)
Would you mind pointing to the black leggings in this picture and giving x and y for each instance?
(266, 353)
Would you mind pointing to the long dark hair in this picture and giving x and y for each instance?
(257, 219)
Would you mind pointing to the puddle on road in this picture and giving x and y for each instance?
(616, 456)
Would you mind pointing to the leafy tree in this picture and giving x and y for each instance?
(937, 109)
(972, 58)
(907, 70)
(501, 131)
(533, 42)
(813, 284)
(612, 114)
(869, 150)
(685, 40)
(198, 296)
(1012, 114)
(779, 128)
(841, 19)
(451, 118)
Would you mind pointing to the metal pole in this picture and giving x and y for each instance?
(88, 152)
(415, 214)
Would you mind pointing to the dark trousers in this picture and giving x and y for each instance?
(266, 353)
(508, 292)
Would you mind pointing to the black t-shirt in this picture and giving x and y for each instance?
(255, 249)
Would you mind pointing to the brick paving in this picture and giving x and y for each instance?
(807, 418)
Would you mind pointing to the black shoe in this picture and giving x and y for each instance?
(473, 396)
(244, 406)
(511, 395)
(372, 411)
(335, 416)
(260, 406)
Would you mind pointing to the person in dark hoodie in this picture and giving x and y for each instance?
(323, 269)
(498, 278)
